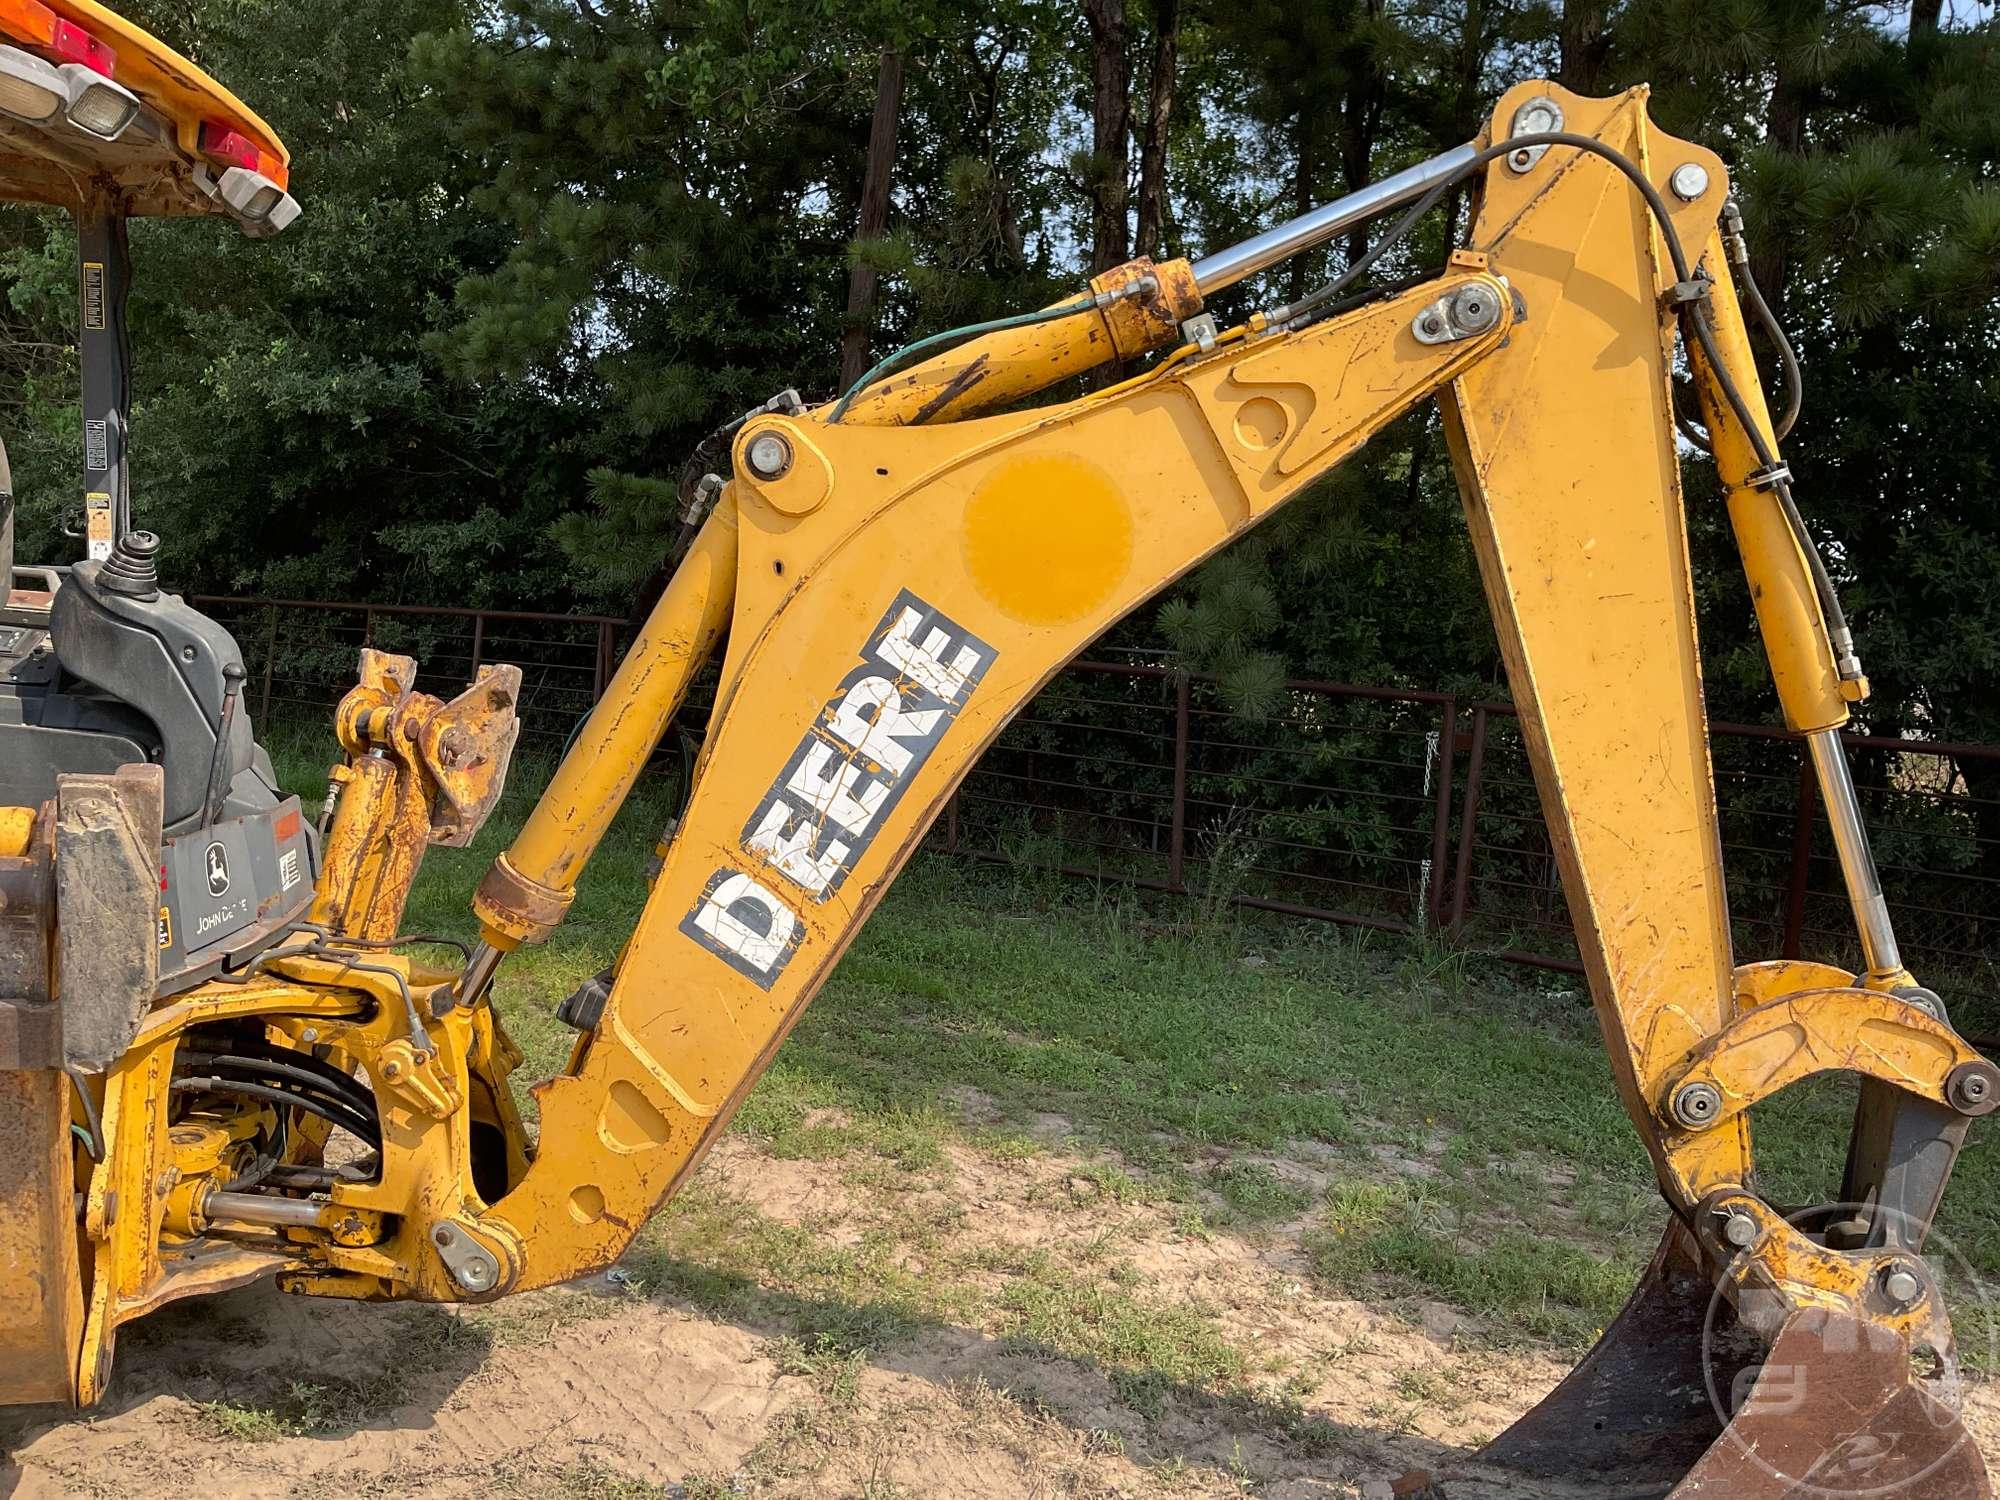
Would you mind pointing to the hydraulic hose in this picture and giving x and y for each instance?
(1693, 318)
(951, 336)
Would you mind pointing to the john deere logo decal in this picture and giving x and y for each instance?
(869, 739)
(217, 862)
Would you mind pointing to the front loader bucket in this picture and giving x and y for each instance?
(41, 1292)
(41, 1297)
(1678, 1399)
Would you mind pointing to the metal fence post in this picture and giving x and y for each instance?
(1441, 821)
(1807, 809)
(1468, 822)
(270, 656)
(603, 672)
(478, 640)
(1177, 844)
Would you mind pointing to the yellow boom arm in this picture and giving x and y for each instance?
(896, 579)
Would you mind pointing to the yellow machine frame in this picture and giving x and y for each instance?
(895, 580)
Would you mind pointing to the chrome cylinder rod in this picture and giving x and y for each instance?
(478, 973)
(1879, 952)
(253, 1208)
(1261, 252)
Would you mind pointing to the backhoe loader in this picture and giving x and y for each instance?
(203, 1084)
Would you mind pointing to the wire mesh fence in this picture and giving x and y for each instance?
(299, 654)
(1400, 810)
(1411, 811)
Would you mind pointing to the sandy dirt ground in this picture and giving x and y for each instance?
(611, 1389)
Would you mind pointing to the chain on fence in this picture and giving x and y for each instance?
(1400, 810)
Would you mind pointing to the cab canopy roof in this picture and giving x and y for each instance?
(97, 115)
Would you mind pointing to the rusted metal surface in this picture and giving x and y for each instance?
(1177, 839)
(419, 771)
(107, 896)
(1835, 1411)
(30, 1028)
(1441, 823)
(1152, 320)
(1468, 828)
(465, 746)
(1829, 1408)
(41, 1297)
(1636, 1412)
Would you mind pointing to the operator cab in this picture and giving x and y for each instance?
(100, 667)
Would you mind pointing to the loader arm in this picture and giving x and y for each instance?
(898, 574)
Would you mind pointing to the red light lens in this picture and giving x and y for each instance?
(73, 44)
(223, 144)
(220, 141)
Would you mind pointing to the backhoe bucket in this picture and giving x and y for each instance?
(1678, 1399)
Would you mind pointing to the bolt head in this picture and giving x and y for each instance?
(1697, 1105)
(1433, 324)
(1901, 1286)
(1474, 309)
(768, 455)
(1970, 1088)
(1522, 159)
(1689, 182)
(1740, 1230)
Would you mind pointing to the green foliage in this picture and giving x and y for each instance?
(549, 245)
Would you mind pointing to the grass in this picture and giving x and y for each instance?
(420, 1341)
(1453, 1122)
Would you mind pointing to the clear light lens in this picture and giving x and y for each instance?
(97, 106)
(29, 88)
(250, 195)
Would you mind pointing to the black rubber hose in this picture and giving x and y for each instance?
(306, 1072)
(329, 1110)
(1788, 359)
(1693, 317)
(1431, 199)
(266, 1162)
